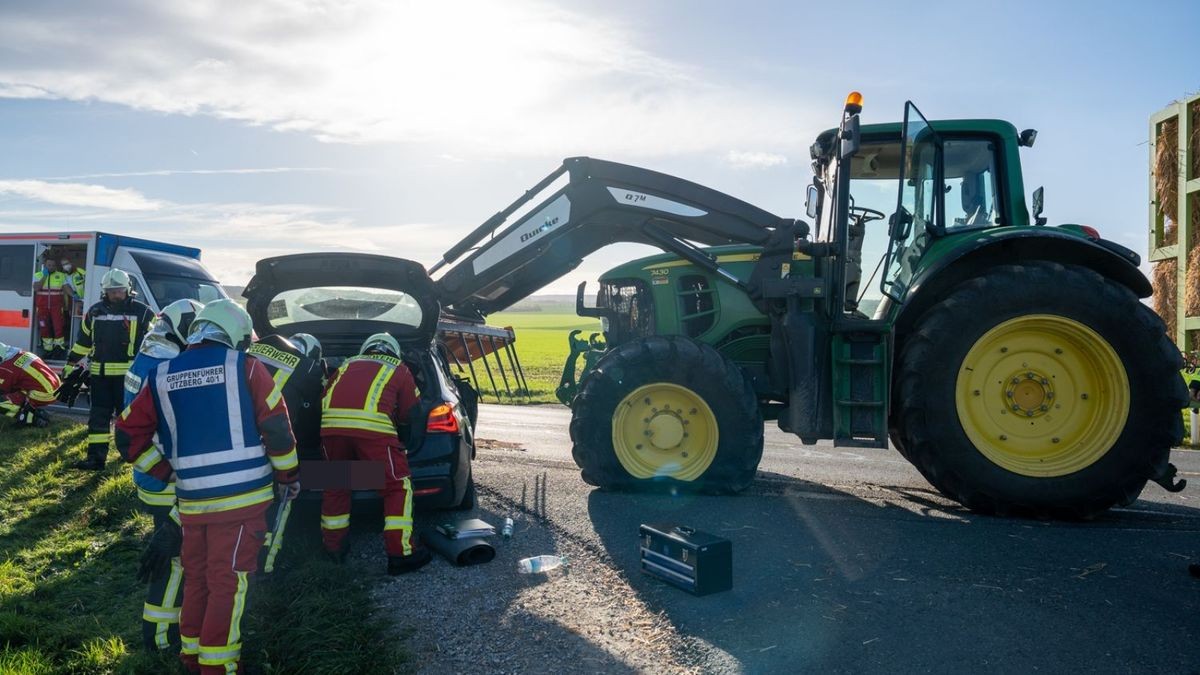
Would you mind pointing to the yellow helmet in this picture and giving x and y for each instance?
(224, 321)
(381, 342)
(115, 279)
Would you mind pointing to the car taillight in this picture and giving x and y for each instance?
(426, 491)
(442, 419)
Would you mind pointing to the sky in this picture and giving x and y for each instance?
(253, 129)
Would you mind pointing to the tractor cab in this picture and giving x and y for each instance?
(907, 186)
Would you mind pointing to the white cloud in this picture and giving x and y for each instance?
(517, 77)
(198, 172)
(739, 159)
(78, 194)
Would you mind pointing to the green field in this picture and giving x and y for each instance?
(542, 347)
(70, 543)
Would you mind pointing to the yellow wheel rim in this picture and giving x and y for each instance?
(1042, 395)
(666, 430)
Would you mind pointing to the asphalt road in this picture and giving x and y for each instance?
(847, 561)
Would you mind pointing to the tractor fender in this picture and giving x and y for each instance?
(1015, 246)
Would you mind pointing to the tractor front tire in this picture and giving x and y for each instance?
(669, 412)
(1039, 389)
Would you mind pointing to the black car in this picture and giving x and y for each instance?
(341, 299)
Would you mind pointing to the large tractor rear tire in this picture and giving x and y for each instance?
(1039, 389)
(667, 411)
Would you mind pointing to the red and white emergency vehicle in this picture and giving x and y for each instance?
(162, 273)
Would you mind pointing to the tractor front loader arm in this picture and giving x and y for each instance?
(506, 259)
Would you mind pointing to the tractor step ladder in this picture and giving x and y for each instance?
(861, 361)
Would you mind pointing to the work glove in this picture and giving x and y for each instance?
(165, 543)
(287, 491)
(68, 369)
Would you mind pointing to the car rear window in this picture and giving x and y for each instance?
(340, 303)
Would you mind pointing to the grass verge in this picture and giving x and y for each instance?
(69, 603)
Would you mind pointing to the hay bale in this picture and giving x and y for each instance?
(1191, 294)
(1194, 141)
(1166, 177)
(1166, 292)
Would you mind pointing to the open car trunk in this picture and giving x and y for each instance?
(343, 297)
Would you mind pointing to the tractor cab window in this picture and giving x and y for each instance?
(632, 310)
(970, 192)
(697, 304)
(873, 173)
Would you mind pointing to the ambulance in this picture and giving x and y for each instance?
(161, 274)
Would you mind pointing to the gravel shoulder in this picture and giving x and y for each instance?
(490, 618)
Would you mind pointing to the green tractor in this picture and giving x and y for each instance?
(1011, 362)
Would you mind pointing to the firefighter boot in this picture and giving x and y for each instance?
(94, 462)
(339, 556)
(403, 564)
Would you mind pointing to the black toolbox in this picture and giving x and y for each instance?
(697, 562)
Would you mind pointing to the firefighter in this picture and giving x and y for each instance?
(366, 399)
(26, 384)
(49, 284)
(110, 336)
(162, 569)
(224, 437)
(296, 367)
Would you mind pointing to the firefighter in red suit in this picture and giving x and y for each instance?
(368, 396)
(226, 439)
(26, 382)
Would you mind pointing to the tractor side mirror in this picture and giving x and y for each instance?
(812, 205)
(1039, 204)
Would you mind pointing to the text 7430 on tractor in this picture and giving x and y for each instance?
(1011, 362)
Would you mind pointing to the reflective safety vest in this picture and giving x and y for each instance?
(111, 334)
(301, 382)
(365, 394)
(77, 279)
(151, 490)
(25, 376)
(207, 430)
(52, 283)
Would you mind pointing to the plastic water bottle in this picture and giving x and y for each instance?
(540, 564)
(506, 531)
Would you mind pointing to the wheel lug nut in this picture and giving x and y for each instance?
(646, 400)
(1054, 440)
(1016, 380)
(976, 392)
(1009, 393)
(1004, 350)
(1003, 437)
(1045, 382)
(1058, 351)
(1016, 408)
(639, 446)
(1083, 396)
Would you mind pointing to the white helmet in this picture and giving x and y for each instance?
(176, 319)
(309, 345)
(224, 321)
(383, 343)
(115, 279)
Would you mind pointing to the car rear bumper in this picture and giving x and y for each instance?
(440, 467)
